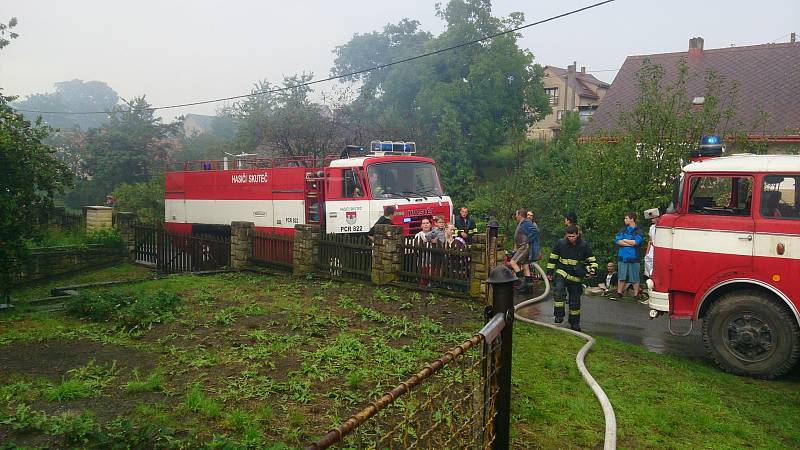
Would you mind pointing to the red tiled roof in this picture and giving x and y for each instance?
(767, 79)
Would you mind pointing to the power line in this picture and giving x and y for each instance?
(349, 74)
(603, 70)
(779, 38)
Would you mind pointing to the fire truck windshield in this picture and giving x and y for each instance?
(400, 179)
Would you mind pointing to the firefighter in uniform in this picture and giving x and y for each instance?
(570, 262)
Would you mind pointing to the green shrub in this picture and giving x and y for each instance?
(108, 237)
(152, 383)
(149, 309)
(99, 307)
(197, 401)
(126, 309)
(83, 382)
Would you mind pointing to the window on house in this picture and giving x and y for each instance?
(585, 113)
(559, 115)
(779, 197)
(552, 93)
(726, 196)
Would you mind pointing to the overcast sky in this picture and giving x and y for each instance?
(183, 51)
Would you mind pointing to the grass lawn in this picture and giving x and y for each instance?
(41, 289)
(659, 401)
(263, 361)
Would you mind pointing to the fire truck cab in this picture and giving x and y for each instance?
(729, 253)
(342, 195)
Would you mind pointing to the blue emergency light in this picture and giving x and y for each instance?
(406, 219)
(710, 147)
(393, 147)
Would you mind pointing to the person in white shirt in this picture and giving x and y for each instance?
(426, 228)
(648, 258)
(424, 260)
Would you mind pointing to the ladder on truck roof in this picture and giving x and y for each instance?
(313, 196)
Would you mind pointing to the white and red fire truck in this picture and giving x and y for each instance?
(729, 254)
(345, 195)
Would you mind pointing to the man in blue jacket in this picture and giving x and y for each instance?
(526, 236)
(629, 239)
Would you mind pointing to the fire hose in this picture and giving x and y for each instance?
(608, 411)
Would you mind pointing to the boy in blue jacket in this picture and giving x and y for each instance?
(629, 239)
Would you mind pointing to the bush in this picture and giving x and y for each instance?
(53, 236)
(126, 309)
(108, 237)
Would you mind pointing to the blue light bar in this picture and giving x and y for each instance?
(406, 219)
(710, 140)
(393, 147)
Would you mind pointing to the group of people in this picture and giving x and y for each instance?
(453, 235)
(572, 261)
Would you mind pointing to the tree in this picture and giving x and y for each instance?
(465, 102)
(72, 96)
(30, 176)
(146, 199)
(5, 30)
(287, 122)
(131, 148)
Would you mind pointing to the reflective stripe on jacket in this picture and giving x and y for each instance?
(571, 261)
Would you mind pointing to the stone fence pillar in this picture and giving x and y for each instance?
(98, 217)
(306, 249)
(387, 254)
(478, 266)
(124, 223)
(241, 243)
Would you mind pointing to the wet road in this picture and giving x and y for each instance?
(627, 321)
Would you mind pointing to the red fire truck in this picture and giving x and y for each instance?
(729, 253)
(344, 195)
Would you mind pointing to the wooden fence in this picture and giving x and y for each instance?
(345, 255)
(273, 249)
(434, 265)
(178, 252)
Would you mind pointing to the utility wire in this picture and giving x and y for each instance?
(779, 38)
(350, 74)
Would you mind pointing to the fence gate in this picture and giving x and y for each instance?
(144, 251)
(273, 249)
(434, 265)
(345, 255)
(179, 252)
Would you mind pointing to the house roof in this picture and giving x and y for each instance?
(586, 84)
(767, 79)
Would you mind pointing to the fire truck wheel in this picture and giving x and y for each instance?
(747, 333)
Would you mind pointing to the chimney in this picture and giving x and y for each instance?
(583, 70)
(571, 67)
(793, 37)
(696, 46)
(569, 91)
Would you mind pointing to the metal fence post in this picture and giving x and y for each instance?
(502, 281)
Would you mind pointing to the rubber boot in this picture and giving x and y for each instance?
(524, 285)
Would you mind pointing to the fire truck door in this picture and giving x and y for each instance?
(346, 205)
(715, 235)
(777, 234)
